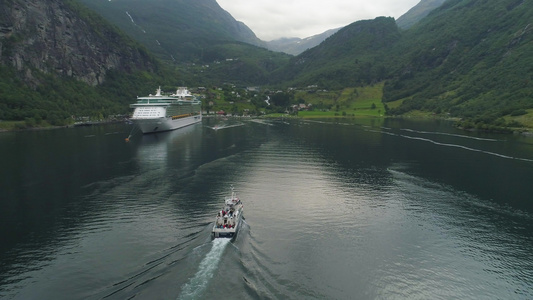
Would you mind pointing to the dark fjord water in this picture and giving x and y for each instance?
(362, 209)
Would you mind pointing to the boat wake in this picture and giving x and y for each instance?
(261, 122)
(452, 145)
(196, 285)
(450, 134)
(467, 148)
(220, 127)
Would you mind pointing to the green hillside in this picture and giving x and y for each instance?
(236, 63)
(51, 84)
(175, 30)
(356, 55)
(418, 12)
(469, 59)
(198, 37)
(348, 102)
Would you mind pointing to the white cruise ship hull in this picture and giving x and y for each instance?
(165, 123)
(157, 113)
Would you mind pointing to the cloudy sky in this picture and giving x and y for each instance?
(272, 19)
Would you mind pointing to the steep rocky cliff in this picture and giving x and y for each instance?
(175, 30)
(62, 38)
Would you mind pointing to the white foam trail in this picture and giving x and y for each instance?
(206, 270)
(220, 127)
(466, 148)
(130, 18)
(451, 134)
(452, 145)
(226, 126)
(261, 122)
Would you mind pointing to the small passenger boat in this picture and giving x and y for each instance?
(229, 219)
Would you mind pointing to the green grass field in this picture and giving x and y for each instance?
(11, 125)
(395, 104)
(360, 101)
(526, 120)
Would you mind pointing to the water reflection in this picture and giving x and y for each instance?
(169, 149)
(384, 208)
(351, 201)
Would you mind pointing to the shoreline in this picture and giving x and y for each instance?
(51, 127)
(524, 131)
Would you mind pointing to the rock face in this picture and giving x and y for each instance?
(175, 30)
(51, 37)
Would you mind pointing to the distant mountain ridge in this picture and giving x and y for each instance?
(295, 46)
(351, 57)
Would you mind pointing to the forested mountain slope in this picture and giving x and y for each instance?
(54, 53)
(188, 33)
(56, 37)
(357, 54)
(418, 12)
(175, 30)
(469, 58)
(59, 59)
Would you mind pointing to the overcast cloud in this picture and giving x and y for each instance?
(271, 19)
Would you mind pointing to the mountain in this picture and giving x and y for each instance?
(51, 37)
(175, 30)
(419, 11)
(469, 59)
(295, 46)
(58, 59)
(356, 55)
(198, 37)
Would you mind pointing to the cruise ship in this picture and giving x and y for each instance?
(156, 113)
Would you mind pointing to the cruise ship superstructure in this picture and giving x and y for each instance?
(156, 113)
